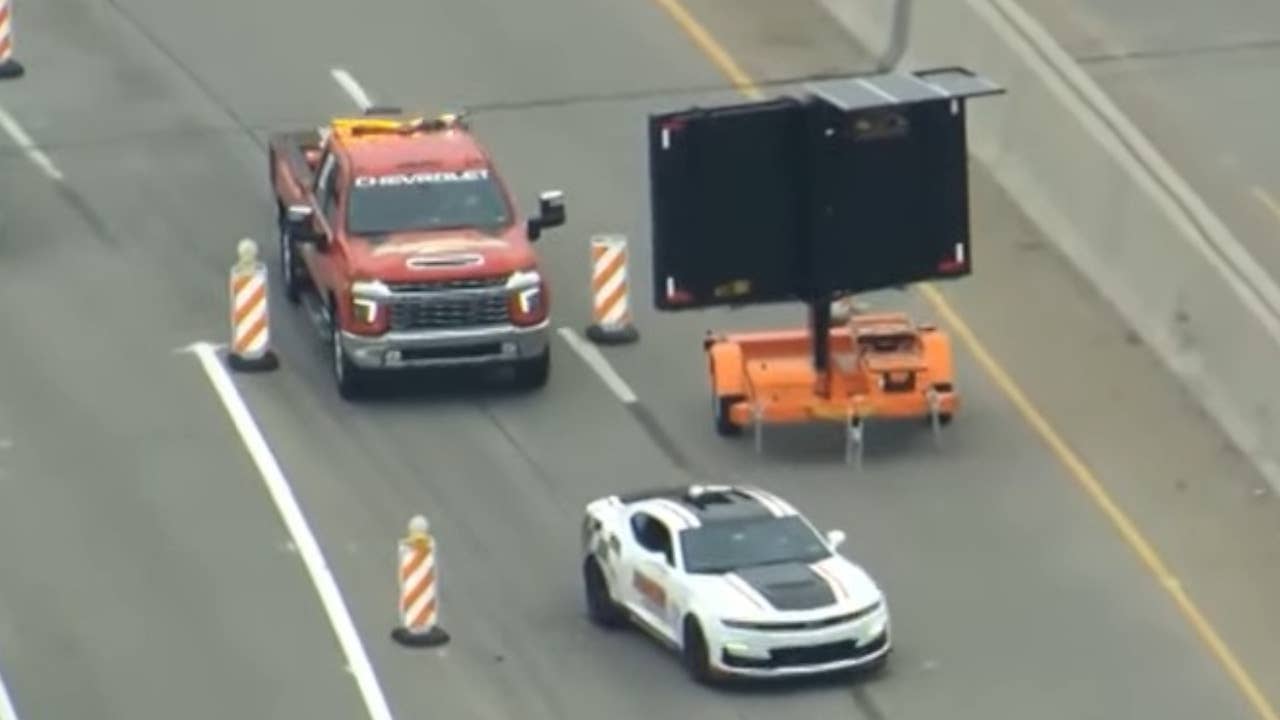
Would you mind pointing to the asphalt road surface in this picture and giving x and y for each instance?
(144, 572)
(1197, 78)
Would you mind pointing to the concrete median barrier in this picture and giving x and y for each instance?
(1111, 204)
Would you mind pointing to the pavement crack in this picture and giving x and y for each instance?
(186, 70)
(660, 437)
(97, 225)
(538, 470)
(862, 700)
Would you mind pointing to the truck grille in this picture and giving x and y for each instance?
(480, 283)
(448, 311)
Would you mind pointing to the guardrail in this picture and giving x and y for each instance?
(1102, 193)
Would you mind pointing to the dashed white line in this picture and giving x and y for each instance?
(597, 362)
(24, 141)
(352, 88)
(7, 711)
(278, 487)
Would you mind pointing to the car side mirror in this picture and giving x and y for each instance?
(835, 538)
(550, 213)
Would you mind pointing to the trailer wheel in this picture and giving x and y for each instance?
(720, 406)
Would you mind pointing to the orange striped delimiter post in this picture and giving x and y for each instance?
(9, 65)
(610, 295)
(250, 321)
(419, 606)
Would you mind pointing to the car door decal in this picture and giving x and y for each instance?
(651, 590)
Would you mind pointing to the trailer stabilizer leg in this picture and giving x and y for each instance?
(935, 415)
(757, 414)
(853, 440)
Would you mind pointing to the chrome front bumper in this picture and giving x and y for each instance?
(446, 348)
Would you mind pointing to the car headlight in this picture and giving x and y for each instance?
(744, 650)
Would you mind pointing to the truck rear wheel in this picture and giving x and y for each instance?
(289, 267)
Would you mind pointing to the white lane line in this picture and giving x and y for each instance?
(597, 362)
(7, 711)
(303, 539)
(352, 88)
(24, 141)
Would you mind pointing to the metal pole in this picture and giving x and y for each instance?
(898, 36)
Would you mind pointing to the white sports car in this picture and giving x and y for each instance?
(735, 579)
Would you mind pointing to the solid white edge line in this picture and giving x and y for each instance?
(352, 88)
(7, 710)
(308, 548)
(597, 362)
(24, 141)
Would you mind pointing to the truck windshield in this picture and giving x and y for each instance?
(426, 201)
(731, 544)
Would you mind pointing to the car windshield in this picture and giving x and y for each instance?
(426, 201)
(729, 545)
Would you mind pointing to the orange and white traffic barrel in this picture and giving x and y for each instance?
(419, 602)
(250, 321)
(9, 65)
(610, 310)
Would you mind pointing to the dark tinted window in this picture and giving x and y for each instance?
(724, 546)
(426, 201)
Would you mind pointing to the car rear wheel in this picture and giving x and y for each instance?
(696, 656)
(600, 606)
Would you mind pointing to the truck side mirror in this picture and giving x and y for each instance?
(300, 227)
(298, 214)
(550, 213)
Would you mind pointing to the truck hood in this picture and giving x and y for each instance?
(455, 254)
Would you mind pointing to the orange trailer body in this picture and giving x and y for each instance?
(882, 366)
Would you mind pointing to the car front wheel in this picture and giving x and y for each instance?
(696, 656)
(600, 606)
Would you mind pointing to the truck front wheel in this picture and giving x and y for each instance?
(346, 375)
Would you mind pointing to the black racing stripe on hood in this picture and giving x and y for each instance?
(792, 586)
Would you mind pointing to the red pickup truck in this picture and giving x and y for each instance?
(401, 239)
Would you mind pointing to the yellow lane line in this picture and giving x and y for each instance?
(1265, 198)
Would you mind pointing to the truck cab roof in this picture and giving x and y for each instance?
(390, 146)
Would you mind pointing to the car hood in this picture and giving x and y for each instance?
(794, 590)
(418, 256)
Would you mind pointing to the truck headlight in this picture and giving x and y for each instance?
(364, 299)
(366, 311)
(527, 297)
